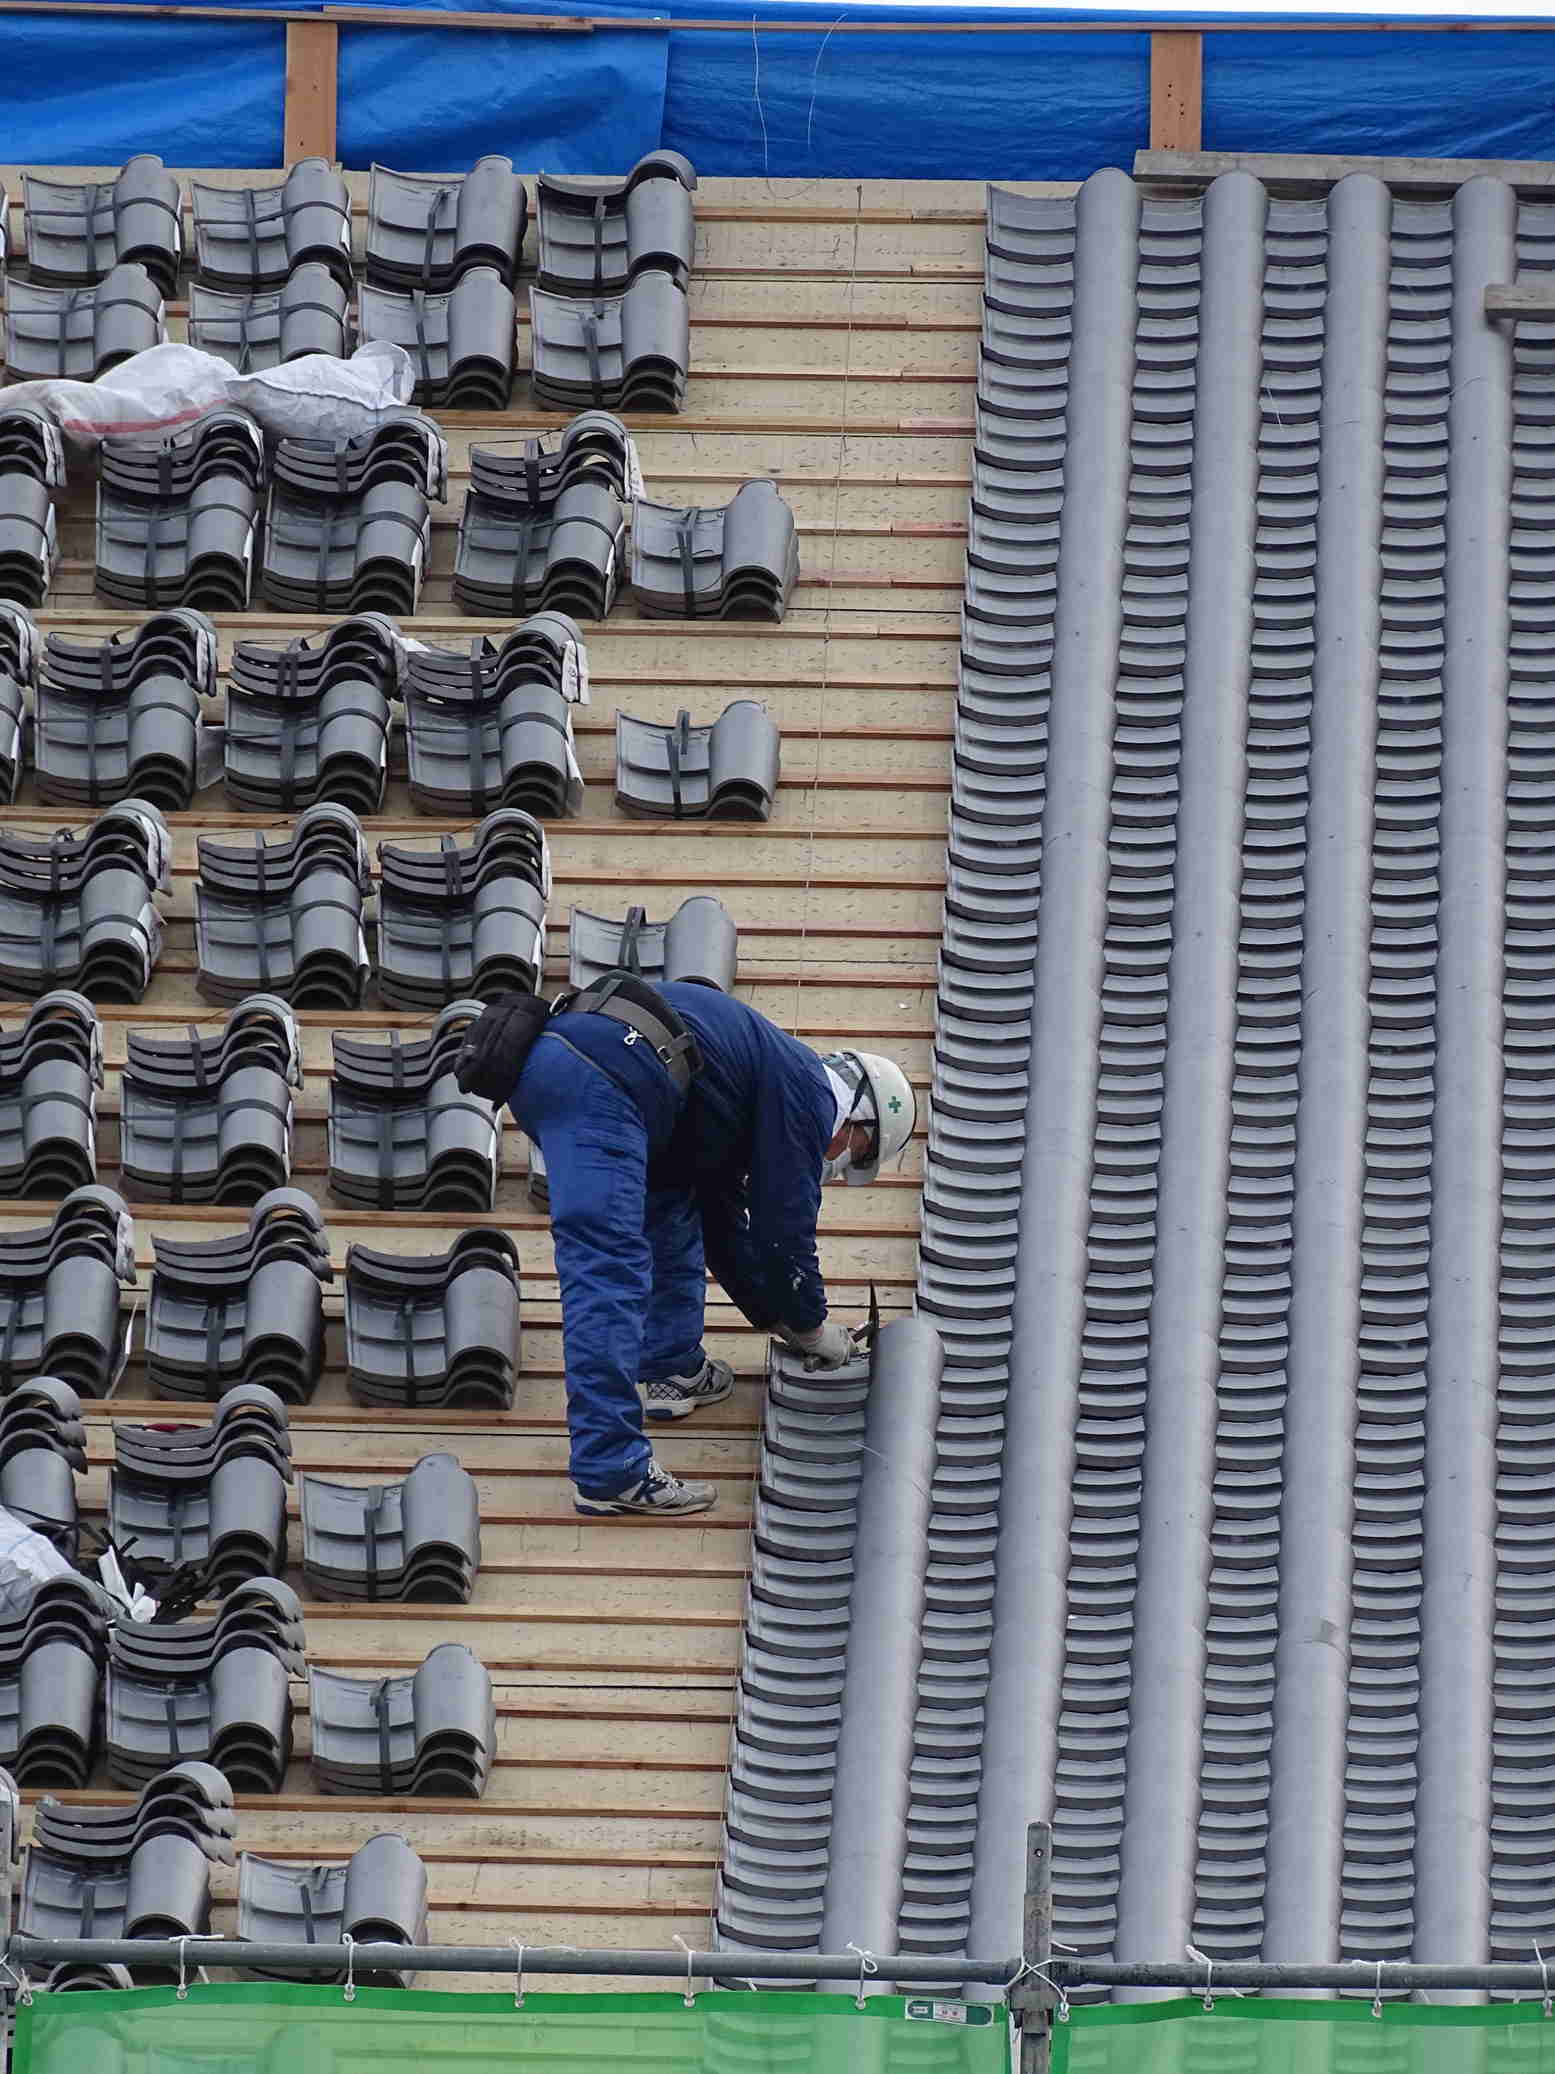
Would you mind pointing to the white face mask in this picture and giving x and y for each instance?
(834, 1169)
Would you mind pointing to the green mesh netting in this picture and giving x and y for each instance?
(261, 2029)
(1271, 2037)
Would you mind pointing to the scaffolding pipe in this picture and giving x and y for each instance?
(174, 1954)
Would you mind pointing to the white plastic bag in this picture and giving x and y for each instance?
(26, 1561)
(167, 387)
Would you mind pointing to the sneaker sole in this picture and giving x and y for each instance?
(688, 1405)
(611, 1508)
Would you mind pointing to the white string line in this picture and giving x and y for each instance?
(761, 113)
(826, 620)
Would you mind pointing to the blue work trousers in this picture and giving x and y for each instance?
(630, 1260)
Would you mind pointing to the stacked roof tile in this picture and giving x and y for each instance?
(176, 519)
(254, 238)
(528, 479)
(32, 466)
(419, 1538)
(286, 917)
(42, 1451)
(80, 909)
(50, 1071)
(597, 235)
(492, 725)
(432, 1731)
(402, 1133)
(18, 675)
(348, 523)
(566, 557)
(630, 351)
(727, 771)
(51, 1664)
(461, 343)
(464, 919)
(309, 313)
(216, 1691)
(736, 561)
(79, 231)
(427, 231)
(434, 1331)
(310, 721)
(122, 716)
(208, 1118)
(378, 1896)
(59, 1294)
(80, 334)
(211, 1496)
(358, 553)
(142, 1871)
(244, 1308)
(698, 942)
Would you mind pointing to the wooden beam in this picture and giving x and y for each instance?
(510, 24)
(312, 89)
(1530, 295)
(1176, 90)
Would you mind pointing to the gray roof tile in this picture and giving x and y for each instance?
(1259, 560)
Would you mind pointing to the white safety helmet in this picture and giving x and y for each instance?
(883, 1097)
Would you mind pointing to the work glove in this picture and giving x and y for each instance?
(828, 1345)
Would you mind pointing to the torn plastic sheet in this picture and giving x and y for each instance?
(167, 387)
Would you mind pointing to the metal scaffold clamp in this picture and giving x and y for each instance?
(689, 1996)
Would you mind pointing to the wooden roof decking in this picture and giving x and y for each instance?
(837, 354)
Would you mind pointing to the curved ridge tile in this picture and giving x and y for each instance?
(1309, 1693)
(1026, 1699)
(1171, 1664)
(1452, 1856)
(1522, 1817)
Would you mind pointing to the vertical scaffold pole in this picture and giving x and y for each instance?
(1033, 2000)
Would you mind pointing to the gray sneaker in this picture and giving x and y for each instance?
(659, 1494)
(678, 1396)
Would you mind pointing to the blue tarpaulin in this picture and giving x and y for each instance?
(760, 98)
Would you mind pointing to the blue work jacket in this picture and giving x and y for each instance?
(747, 1143)
(750, 1144)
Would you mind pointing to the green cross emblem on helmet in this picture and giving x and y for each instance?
(894, 1104)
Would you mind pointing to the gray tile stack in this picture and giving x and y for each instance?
(377, 1896)
(208, 1119)
(50, 1072)
(402, 1133)
(434, 1331)
(210, 1496)
(698, 942)
(723, 771)
(433, 1731)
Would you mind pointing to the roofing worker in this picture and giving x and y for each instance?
(678, 1128)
